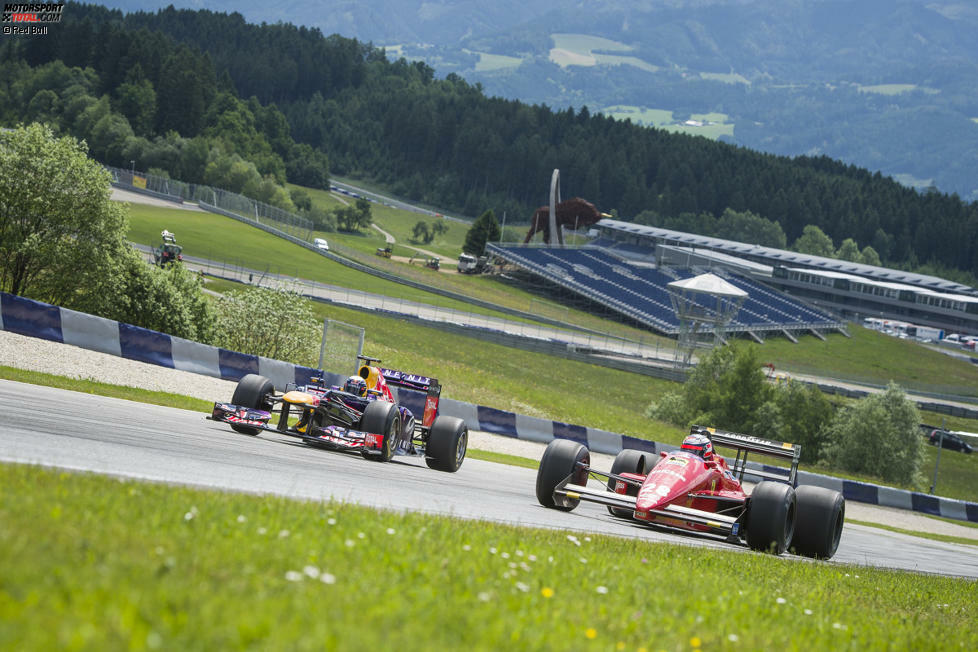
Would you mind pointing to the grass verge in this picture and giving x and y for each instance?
(92, 562)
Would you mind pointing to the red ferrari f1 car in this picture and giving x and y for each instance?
(362, 416)
(694, 489)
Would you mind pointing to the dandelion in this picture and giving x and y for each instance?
(780, 600)
(241, 518)
(602, 590)
(283, 534)
(311, 571)
(484, 597)
(327, 578)
(523, 586)
(695, 642)
(620, 645)
(590, 632)
(547, 592)
(391, 530)
(293, 576)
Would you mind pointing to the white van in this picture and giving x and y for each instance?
(321, 244)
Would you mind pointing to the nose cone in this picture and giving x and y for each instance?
(670, 479)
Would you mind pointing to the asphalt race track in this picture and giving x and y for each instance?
(124, 438)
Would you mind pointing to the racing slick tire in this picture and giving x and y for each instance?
(448, 440)
(771, 517)
(819, 516)
(252, 391)
(381, 418)
(559, 461)
(627, 461)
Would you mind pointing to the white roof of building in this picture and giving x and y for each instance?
(708, 284)
(789, 257)
(965, 298)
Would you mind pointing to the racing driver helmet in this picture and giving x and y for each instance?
(355, 385)
(699, 445)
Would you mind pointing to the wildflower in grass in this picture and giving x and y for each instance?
(591, 632)
(327, 578)
(523, 587)
(466, 547)
(349, 543)
(547, 592)
(492, 551)
(620, 645)
(525, 566)
(644, 560)
(391, 530)
(262, 530)
(602, 590)
(311, 571)
(191, 515)
(505, 555)
(361, 535)
(838, 626)
(532, 557)
(293, 576)
(550, 559)
(573, 539)
(733, 638)
(780, 600)
(519, 553)
(512, 564)
(484, 597)
(583, 560)
(588, 539)
(808, 612)
(241, 518)
(331, 521)
(283, 534)
(695, 642)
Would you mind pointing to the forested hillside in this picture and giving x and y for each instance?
(168, 89)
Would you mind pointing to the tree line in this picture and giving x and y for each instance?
(341, 105)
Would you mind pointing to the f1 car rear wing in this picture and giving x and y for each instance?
(418, 383)
(744, 444)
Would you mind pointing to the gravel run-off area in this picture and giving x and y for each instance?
(36, 354)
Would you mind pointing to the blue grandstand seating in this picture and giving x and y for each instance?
(640, 292)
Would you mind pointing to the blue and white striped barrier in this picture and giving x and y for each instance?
(36, 319)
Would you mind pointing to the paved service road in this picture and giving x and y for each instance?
(118, 437)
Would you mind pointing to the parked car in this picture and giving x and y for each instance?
(950, 441)
(321, 244)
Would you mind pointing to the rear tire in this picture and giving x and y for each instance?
(448, 440)
(820, 514)
(627, 461)
(381, 418)
(252, 391)
(771, 517)
(558, 461)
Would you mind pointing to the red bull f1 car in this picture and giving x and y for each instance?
(361, 417)
(694, 489)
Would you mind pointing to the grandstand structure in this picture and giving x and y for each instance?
(629, 283)
(850, 290)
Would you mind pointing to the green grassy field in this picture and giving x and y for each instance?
(92, 562)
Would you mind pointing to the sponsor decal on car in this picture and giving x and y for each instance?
(373, 441)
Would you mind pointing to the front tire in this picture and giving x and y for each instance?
(771, 517)
(627, 461)
(381, 418)
(561, 459)
(820, 514)
(252, 391)
(448, 440)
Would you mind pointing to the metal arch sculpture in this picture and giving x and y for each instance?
(573, 213)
